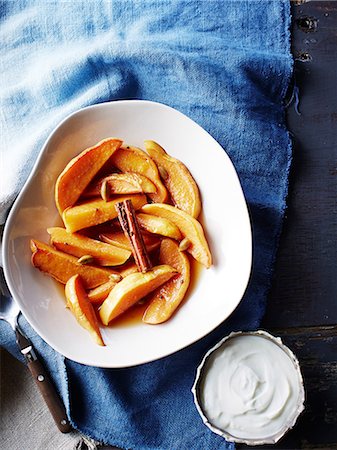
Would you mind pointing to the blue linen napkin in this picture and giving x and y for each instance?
(227, 65)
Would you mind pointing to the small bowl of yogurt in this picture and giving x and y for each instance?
(249, 388)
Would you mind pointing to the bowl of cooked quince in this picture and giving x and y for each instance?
(131, 238)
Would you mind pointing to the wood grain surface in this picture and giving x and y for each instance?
(302, 305)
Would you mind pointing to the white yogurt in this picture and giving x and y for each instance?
(250, 387)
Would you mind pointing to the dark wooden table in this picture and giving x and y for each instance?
(302, 305)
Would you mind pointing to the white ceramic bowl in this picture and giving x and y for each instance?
(218, 290)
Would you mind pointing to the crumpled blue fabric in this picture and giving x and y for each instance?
(227, 65)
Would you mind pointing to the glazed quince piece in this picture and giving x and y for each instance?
(78, 245)
(97, 211)
(121, 183)
(190, 228)
(100, 293)
(135, 160)
(166, 299)
(133, 288)
(158, 225)
(81, 170)
(80, 306)
(97, 295)
(128, 269)
(118, 239)
(177, 178)
(62, 266)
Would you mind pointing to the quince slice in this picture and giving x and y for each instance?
(97, 295)
(190, 228)
(100, 293)
(128, 269)
(81, 170)
(133, 288)
(177, 178)
(119, 239)
(158, 225)
(96, 211)
(122, 183)
(166, 299)
(78, 245)
(80, 306)
(62, 266)
(133, 159)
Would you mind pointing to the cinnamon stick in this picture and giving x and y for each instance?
(128, 220)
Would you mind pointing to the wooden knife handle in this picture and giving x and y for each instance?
(43, 381)
(50, 395)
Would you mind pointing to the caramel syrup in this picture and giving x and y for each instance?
(133, 316)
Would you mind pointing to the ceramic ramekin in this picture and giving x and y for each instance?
(299, 403)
